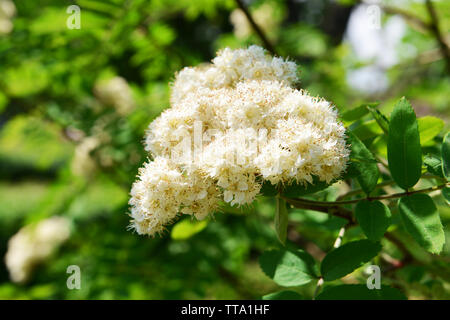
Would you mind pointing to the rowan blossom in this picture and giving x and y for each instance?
(7, 12)
(240, 122)
(33, 244)
(162, 191)
(117, 93)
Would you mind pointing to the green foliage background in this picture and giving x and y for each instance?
(47, 102)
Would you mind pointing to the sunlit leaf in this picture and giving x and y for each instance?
(404, 151)
(421, 219)
(347, 258)
(364, 163)
(380, 118)
(288, 268)
(429, 127)
(373, 217)
(187, 228)
(434, 165)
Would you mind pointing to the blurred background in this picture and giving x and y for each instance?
(74, 105)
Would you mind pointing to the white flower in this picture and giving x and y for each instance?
(162, 191)
(253, 126)
(33, 244)
(82, 163)
(115, 92)
(230, 67)
(7, 12)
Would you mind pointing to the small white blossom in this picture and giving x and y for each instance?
(231, 67)
(82, 163)
(162, 191)
(7, 12)
(33, 244)
(115, 92)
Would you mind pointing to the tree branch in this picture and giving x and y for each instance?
(255, 27)
(331, 210)
(434, 27)
(314, 205)
(419, 23)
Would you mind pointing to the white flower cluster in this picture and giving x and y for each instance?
(7, 12)
(33, 244)
(248, 125)
(117, 93)
(163, 191)
(231, 67)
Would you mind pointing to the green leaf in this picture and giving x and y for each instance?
(268, 189)
(288, 268)
(283, 295)
(434, 165)
(429, 127)
(445, 152)
(347, 258)
(355, 113)
(281, 220)
(298, 189)
(404, 151)
(380, 118)
(421, 219)
(446, 194)
(360, 292)
(367, 130)
(364, 163)
(373, 217)
(187, 228)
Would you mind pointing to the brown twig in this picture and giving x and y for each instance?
(416, 21)
(321, 204)
(434, 27)
(407, 257)
(359, 191)
(255, 27)
(331, 210)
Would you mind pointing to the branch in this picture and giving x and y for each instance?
(359, 191)
(434, 27)
(333, 210)
(255, 27)
(407, 257)
(416, 21)
(321, 204)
